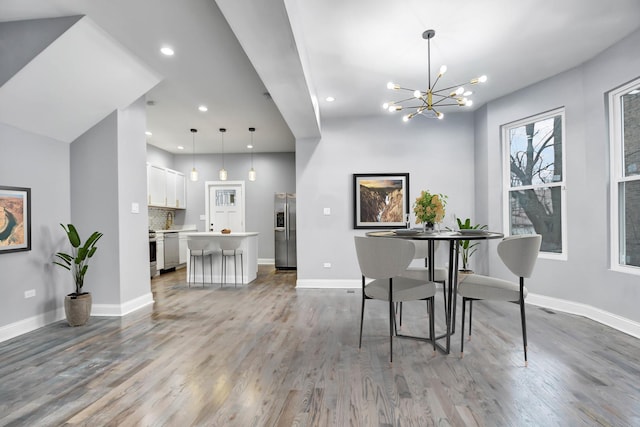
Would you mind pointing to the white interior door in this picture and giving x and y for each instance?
(225, 205)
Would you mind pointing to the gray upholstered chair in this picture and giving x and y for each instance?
(519, 253)
(230, 247)
(440, 275)
(199, 249)
(383, 260)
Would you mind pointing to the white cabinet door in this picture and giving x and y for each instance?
(160, 252)
(184, 248)
(181, 191)
(171, 189)
(157, 181)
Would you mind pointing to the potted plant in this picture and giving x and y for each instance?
(77, 305)
(429, 209)
(467, 247)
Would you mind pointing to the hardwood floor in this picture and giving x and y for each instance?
(266, 354)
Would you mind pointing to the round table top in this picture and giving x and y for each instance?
(416, 234)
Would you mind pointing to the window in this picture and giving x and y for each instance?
(534, 191)
(624, 125)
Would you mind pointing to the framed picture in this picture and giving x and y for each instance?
(380, 200)
(15, 219)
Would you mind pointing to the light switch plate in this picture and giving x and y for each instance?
(135, 207)
(327, 211)
(202, 217)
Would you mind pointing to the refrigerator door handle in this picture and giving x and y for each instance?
(286, 221)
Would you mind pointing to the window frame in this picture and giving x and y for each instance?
(617, 175)
(506, 175)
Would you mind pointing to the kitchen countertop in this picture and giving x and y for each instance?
(178, 230)
(217, 233)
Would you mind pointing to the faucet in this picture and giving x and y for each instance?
(169, 221)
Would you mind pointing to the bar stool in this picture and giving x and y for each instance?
(199, 248)
(230, 248)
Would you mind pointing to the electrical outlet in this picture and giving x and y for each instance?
(327, 265)
(30, 293)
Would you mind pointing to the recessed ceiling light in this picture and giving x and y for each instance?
(203, 108)
(180, 147)
(329, 99)
(166, 50)
(148, 133)
(249, 146)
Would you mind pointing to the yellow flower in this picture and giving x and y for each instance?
(429, 208)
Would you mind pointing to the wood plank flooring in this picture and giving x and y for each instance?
(266, 354)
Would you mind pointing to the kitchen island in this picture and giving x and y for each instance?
(248, 245)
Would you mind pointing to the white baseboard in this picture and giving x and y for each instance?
(328, 284)
(117, 310)
(20, 327)
(612, 320)
(266, 261)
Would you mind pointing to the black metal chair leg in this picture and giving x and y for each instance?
(391, 320)
(361, 314)
(464, 306)
(432, 326)
(470, 317)
(524, 322)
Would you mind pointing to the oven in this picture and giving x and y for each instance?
(153, 271)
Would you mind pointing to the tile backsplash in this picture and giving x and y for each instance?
(158, 218)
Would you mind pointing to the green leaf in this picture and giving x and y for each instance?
(74, 237)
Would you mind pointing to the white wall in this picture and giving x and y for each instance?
(438, 155)
(584, 283)
(41, 164)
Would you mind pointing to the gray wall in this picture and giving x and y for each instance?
(108, 174)
(585, 277)
(275, 173)
(438, 155)
(41, 164)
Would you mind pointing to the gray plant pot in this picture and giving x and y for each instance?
(77, 309)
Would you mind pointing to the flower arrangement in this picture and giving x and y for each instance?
(429, 208)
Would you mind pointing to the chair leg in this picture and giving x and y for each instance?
(391, 322)
(464, 306)
(470, 317)
(242, 268)
(524, 323)
(235, 270)
(361, 314)
(432, 327)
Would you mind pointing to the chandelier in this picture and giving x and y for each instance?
(428, 102)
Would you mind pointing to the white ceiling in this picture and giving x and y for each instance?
(301, 51)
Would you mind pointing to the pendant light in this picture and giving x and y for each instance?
(194, 172)
(252, 171)
(223, 172)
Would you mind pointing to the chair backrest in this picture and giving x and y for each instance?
(382, 258)
(422, 248)
(198, 244)
(229, 243)
(519, 253)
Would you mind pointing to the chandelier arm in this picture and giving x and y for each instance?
(447, 105)
(451, 87)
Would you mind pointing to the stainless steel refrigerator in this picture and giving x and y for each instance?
(285, 230)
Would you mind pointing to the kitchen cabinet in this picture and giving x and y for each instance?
(166, 187)
(184, 248)
(156, 185)
(159, 251)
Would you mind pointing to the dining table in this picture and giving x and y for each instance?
(454, 237)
